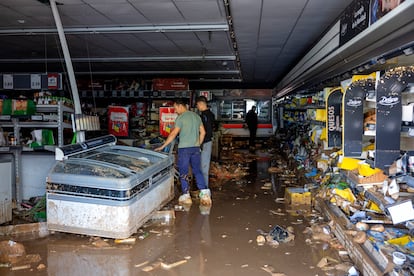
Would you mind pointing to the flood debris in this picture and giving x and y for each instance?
(152, 266)
(11, 252)
(277, 212)
(141, 264)
(271, 270)
(279, 235)
(172, 265)
(21, 267)
(99, 242)
(130, 240)
(260, 240)
(164, 217)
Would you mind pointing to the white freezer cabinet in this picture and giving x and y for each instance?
(107, 190)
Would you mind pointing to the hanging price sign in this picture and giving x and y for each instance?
(7, 81)
(35, 81)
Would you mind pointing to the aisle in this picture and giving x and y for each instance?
(221, 243)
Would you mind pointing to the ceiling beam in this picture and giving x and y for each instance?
(121, 59)
(192, 72)
(122, 29)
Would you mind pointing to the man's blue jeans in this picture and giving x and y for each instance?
(205, 160)
(186, 157)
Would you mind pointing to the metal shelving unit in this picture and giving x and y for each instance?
(40, 120)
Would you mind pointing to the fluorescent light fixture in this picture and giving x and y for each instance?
(123, 29)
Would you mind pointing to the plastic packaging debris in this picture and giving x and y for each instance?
(353, 272)
(143, 235)
(398, 258)
(11, 252)
(164, 216)
(280, 234)
(260, 240)
(357, 216)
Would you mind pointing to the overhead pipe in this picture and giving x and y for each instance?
(80, 136)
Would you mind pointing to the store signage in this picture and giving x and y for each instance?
(353, 118)
(35, 81)
(354, 20)
(118, 120)
(170, 84)
(354, 102)
(52, 81)
(388, 120)
(389, 100)
(7, 81)
(334, 128)
(167, 120)
(205, 94)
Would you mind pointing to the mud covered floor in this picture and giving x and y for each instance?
(222, 242)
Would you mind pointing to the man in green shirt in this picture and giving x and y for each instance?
(191, 132)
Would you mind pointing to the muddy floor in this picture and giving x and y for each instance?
(223, 242)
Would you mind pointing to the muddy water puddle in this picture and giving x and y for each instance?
(219, 241)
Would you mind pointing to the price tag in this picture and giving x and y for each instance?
(35, 81)
(7, 81)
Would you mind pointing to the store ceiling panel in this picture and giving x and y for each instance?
(243, 44)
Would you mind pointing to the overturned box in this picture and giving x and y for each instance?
(101, 189)
(297, 196)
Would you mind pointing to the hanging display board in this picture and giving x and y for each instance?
(333, 121)
(170, 84)
(353, 119)
(354, 20)
(389, 113)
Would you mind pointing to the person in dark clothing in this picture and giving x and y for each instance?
(208, 118)
(251, 122)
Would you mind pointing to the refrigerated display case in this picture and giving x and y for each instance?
(232, 109)
(101, 189)
(232, 115)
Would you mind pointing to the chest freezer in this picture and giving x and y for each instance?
(98, 188)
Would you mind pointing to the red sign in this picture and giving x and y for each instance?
(52, 81)
(170, 84)
(118, 120)
(167, 120)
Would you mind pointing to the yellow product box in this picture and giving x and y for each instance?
(320, 115)
(297, 196)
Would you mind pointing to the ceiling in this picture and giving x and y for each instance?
(213, 43)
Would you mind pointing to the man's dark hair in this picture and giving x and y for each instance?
(181, 101)
(201, 99)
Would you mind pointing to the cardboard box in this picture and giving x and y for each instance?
(297, 196)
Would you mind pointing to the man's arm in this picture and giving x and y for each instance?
(170, 138)
(202, 134)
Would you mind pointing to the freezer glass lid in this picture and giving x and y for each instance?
(80, 168)
(133, 163)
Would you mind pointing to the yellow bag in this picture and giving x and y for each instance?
(345, 194)
(348, 163)
(323, 134)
